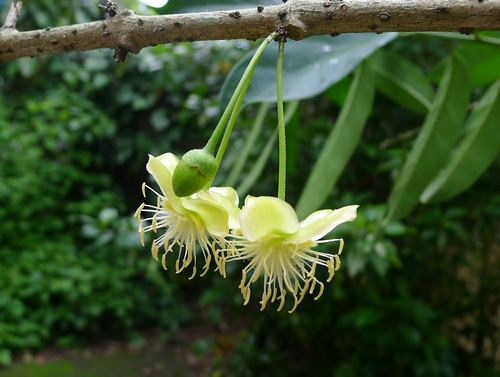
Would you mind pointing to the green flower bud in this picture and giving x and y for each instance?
(194, 170)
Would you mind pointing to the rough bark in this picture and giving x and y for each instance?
(301, 18)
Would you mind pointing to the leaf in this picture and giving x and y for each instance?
(258, 166)
(402, 81)
(337, 93)
(434, 142)
(310, 67)
(477, 150)
(247, 147)
(293, 143)
(183, 6)
(491, 38)
(482, 61)
(340, 144)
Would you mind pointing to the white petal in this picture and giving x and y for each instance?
(213, 217)
(170, 160)
(163, 177)
(228, 199)
(228, 192)
(267, 216)
(320, 223)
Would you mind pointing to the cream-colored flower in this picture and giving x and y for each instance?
(280, 249)
(197, 224)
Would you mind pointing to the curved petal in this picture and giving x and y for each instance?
(163, 177)
(249, 200)
(267, 216)
(227, 192)
(213, 216)
(320, 223)
(170, 161)
(228, 199)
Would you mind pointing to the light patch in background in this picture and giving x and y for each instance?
(154, 3)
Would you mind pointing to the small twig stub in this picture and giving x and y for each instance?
(110, 9)
(13, 15)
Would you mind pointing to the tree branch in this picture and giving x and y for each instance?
(12, 16)
(301, 18)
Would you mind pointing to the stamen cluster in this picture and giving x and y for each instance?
(192, 225)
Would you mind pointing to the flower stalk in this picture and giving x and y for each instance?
(240, 89)
(281, 123)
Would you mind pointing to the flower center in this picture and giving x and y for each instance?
(285, 267)
(182, 230)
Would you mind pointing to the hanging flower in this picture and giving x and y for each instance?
(196, 224)
(280, 249)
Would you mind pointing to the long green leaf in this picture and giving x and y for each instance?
(478, 38)
(402, 81)
(341, 142)
(434, 142)
(482, 61)
(474, 154)
(247, 148)
(258, 167)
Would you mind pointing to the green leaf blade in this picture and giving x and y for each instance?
(475, 153)
(402, 81)
(435, 140)
(258, 166)
(483, 62)
(341, 143)
(255, 131)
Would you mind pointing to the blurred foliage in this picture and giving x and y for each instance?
(420, 299)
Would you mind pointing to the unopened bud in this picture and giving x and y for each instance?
(194, 170)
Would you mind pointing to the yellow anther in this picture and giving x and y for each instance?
(341, 246)
(177, 269)
(154, 223)
(321, 288)
(282, 302)
(137, 213)
(164, 261)
(295, 303)
(313, 285)
(275, 293)
(141, 233)
(337, 262)
(331, 270)
(193, 274)
(247, 293)
(154, 251)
